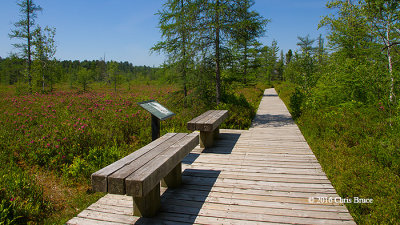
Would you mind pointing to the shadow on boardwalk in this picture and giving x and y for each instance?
(270, 95)
(268, 120)
(225, 144)
(183, 205)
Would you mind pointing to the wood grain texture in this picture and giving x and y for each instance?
(191, 125)
(265, 175)
(116, 181)
(146, 177)
(99, 178)
(208, 121)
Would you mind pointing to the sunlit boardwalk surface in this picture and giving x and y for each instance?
(266, 175)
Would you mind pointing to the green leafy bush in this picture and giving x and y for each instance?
(357, 147)
(21, 199)
(296, 101)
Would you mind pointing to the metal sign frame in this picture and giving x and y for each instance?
(158, 113)
(156, 109)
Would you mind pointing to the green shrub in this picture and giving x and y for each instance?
(296, 101)
(358, 148)
(21, 199)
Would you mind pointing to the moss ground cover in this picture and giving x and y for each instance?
(51, 143)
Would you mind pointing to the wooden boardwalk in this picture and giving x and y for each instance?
(266, 175)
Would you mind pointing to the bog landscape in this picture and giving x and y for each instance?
(62, 120)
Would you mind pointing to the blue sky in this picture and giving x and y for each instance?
(125, 30)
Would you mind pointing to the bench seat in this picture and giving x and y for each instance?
(139, 174)
(208, 124)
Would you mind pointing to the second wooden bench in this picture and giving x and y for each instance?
(208, 125)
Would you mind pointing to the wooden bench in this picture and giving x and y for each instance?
(208, 125)
(139, 174)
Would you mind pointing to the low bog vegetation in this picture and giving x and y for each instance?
(72, 134)
(357, 145)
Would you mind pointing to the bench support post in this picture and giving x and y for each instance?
(173, 178)
(207, 138)
(148, 205)
(216, 133)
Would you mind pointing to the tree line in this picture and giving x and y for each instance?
(74, 73)
(209, 45)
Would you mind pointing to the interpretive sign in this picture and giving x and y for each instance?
(156, 109)
(158, 112)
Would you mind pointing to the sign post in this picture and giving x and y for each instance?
(158, 113)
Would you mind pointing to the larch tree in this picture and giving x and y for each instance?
(177, 25)
(215, 29)
(221, 22)
(24, 30)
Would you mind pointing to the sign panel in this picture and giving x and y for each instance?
(156, 109)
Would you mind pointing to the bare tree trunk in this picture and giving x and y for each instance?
(246, 64)
(115, 84)
(390, 66)
(184, 63)
(217, 55)
(29, 44)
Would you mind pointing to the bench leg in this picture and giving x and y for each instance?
(147, 206)
(206, 139)
(173, 178)
(216, 133)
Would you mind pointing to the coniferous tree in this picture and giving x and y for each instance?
(248, 27)
(24, 30)
(288, 57)
(177, 24)
(115, 74)
(305, 44)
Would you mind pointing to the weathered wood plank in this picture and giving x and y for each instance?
(200, 123)
(215, 120)
(212, 173)
(208, 121)
(99, 178)
(116, 181)
(255, 169)
(144, 179)
(195, 206)
(292, 194)
(254, 177)
(261, 163)
(199, 219)
(191, 125)
(253, 216)
(86, 221)
(95, 215)
(225, 183)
